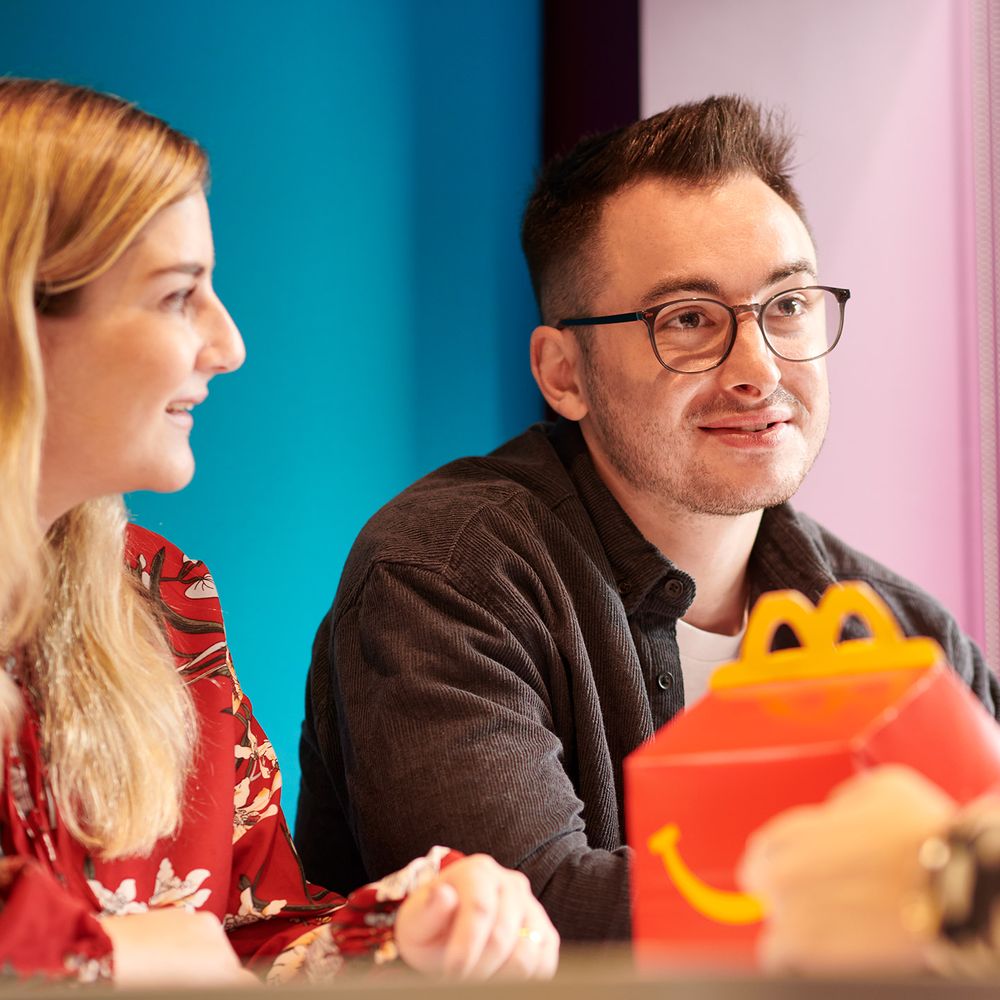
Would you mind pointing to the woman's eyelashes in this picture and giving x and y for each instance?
(179, 300)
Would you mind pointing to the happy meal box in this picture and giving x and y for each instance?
(779, 729)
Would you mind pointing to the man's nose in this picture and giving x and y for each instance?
(751, 368)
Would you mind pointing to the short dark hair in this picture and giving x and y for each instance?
(699, 144)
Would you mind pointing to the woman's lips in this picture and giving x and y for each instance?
(179, 411)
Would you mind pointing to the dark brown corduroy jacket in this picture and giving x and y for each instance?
(502, 638)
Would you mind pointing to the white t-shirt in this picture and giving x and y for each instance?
(701, 652)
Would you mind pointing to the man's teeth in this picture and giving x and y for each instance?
(180, 407)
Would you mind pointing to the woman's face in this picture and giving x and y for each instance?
(126, 366)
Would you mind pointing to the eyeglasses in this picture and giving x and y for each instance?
(696, 335)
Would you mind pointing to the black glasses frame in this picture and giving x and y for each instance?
(648, 316)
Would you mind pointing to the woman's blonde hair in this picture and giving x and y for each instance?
(81, 173)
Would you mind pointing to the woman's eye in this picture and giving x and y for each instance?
(178, 301)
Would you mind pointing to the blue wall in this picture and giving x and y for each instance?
(369, 166)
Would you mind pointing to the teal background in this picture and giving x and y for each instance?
(370, 162)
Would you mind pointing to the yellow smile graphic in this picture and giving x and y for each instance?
(723, 907)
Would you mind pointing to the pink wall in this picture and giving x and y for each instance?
(878, 92)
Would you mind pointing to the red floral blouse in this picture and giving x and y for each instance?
(233, 855)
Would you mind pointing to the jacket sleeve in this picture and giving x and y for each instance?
(277, 922)
(45, 931)
(443, 711)
(969, 663)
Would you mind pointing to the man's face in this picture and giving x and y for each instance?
(696, 442)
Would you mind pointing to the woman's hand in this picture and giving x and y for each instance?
(838, 878)
(475, 920)
(173, 947)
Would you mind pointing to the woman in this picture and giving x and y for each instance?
(140, 821)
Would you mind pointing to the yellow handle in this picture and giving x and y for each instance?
(818, 630)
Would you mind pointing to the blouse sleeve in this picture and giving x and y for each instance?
(45, 930)
(278, 922)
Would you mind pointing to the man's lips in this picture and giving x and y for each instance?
(749, 421)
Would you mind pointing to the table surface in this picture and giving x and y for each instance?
(601, 973)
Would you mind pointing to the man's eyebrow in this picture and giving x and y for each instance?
(801, 266)
(661, 291)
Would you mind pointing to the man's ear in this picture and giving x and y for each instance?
(557, 364)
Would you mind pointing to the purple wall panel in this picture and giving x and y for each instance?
(880, 94)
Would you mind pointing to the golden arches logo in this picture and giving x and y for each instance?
(818, 628)
(735, 908)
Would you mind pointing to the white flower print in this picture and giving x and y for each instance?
(245, 817)
(169, 890)
(143, 572)
(261, 754)
(249, 913)
(314, 957)
(88, 970)
(418, 872)
(202, 588)
(173, 891)
(117, 902)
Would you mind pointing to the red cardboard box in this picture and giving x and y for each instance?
(779, 729)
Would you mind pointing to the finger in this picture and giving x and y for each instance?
(536, 951)
(784, 828)
(873, 781)
(473, 922)
(751, 873)
(505, 938)
(770, 843)
(523, 960)
(549, 961)
(247, 980)
(535, 955)
(772, 951)
(429, 911)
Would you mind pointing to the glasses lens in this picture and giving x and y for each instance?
(692, 335)
(803, 323)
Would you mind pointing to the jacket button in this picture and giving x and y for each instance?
(674, 588)
(664, 681)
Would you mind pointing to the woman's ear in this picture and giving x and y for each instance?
(556, 363)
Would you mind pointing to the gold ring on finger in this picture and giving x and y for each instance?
(530, 934)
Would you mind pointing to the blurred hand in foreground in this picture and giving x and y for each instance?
(838, 879)
(173, 947)
(476, 920)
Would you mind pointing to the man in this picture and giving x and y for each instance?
(509, 628)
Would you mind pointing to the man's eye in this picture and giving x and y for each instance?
(701, 319)
(791, 307)
(686, 319)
